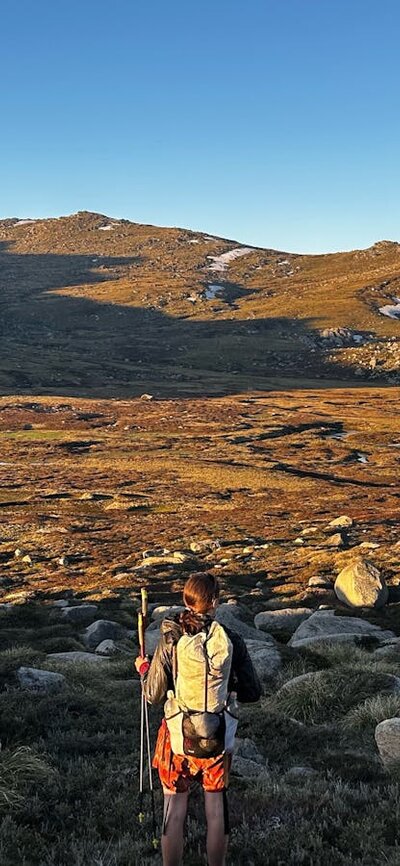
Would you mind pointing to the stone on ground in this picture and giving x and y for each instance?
(172, 560)
(390, 648)
(247, 769)
(266, 659)
(361, 585)
(340, 522)
(165, 611)
(227, 618)
(336, 541)
(107, 648)
(286, 620)
(387, 736)
(246, 748)
(36, 680)
(320, 582)
(323, 625)
(79, 613)
(75, 656)
(100, 630)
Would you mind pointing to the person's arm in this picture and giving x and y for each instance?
(157, 673)
(244, 679)
(158, 678)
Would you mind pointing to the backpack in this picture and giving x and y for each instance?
(201, 714)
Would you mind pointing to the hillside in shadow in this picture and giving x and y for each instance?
(56, 342)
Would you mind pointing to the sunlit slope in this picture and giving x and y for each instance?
(90, 302)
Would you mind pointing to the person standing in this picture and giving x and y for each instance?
(201, 670)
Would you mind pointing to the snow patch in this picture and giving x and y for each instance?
(220, 263)
(212, 291)
(23, 222)
(108, 227)
(391, 310)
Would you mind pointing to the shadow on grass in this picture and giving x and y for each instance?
(58, 344)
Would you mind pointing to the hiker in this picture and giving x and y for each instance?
(201, 669)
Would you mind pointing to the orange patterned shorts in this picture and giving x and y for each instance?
(178, 772)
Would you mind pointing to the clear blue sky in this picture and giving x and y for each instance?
(274, 122)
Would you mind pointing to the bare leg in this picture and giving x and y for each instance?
(175, 808)
(217, 839)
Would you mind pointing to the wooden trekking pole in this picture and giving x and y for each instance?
(144, 723)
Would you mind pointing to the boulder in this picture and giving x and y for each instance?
(361, 585)
(102, 629)
(165, 611)
(368, 545)
(107, 648)
(320, 582)
(36, 680)
(336, 541)
(324, 625)
(342, 522)
(266, 659)
(348, 637)
(232, 608)
(287, 620)
(79, 613)
(168, 561)
(205, 546)
(227, 618)
(248, 769)
(246, 748)
(155, 551)
(387, 736)
(390, 649)
(75, 656)
(152, 638)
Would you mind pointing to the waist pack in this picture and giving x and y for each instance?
(201, 714)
